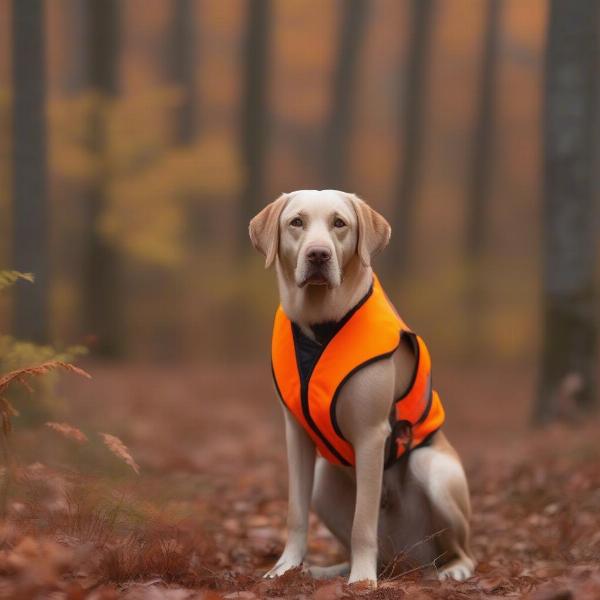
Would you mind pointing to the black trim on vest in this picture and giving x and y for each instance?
(412, 337)
(391, 449)
(308, 353)
(427, 408)
(277, 386)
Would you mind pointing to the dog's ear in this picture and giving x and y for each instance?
(373, 230)
(264, 229)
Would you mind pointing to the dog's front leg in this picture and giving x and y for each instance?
(301, 469)
(369, 450)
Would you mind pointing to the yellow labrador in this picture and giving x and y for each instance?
(321, 243)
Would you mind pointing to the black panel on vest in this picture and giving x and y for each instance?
(307, 353)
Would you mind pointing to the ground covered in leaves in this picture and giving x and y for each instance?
(205, 516)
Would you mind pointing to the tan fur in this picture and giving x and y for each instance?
(264, 229)
(373, 230)
(420, 506)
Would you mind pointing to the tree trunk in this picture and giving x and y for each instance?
(103, 302)
(414, 94)
(480, 183)
(254, 117)
(72, 77)
(339, 126)
(569, 357)
(182, 69)
(30, 170)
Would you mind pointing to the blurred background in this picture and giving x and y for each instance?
(138, 138)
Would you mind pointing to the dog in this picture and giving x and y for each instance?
(321, 243)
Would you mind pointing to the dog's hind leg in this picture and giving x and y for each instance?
(339, 570)
(439, 472)
(333, 501)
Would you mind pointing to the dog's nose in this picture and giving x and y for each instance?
(318, 255)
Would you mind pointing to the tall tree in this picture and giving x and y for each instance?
(414, 95)
(30, 170)
(339, 126)
(481, 163)
(569, 359)
(103, 302)
(254, 117)
(182, 68)
(72, 77)
(480, 181)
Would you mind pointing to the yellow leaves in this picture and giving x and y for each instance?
(150, 183)
(146, 214)
(143, 220)
(8, 278)
(70, 150)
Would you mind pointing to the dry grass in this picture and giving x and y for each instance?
(119, 449)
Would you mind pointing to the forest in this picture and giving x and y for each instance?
(142, 448)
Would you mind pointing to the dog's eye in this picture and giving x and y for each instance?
(297, 222)
(339, 223)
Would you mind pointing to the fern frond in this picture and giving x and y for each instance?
(41, 369)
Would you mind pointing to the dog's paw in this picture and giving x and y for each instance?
(459, 570)
(283, 565)
(363, 577)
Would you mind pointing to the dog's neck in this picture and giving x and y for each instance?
(317, 304)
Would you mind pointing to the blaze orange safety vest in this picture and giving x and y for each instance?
(309, 376)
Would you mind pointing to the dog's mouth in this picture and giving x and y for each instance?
(315, 277)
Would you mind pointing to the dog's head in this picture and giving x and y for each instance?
(314, 234)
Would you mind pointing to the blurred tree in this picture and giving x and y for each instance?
(103, 302)
(569, 360)
(72, 77)
(182, 72)
(30, 176)
(254, 118)
(339, 126)
(480, 180)
(414, 98)
(182, 69)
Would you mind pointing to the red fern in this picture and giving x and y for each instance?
(19, 375)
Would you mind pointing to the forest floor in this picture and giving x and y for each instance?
(206, 516)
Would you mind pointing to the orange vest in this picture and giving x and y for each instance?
(309, 376)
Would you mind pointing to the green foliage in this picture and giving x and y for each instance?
(43, 402)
